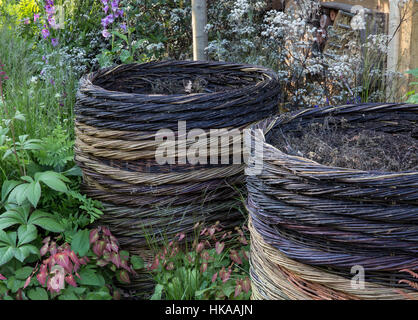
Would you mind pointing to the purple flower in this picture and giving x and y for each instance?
(52, 81)
(26, 21)
(106, 9)
(50, 9)
(115, 5)
(52, 23)
(123, 26)
(104, 2)
(119, 13)
(54, 42)
(35, 17)
(105, 33)
(45, 32)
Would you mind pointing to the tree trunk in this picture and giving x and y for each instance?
(200, 37)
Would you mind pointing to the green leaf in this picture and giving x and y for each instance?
(33, 193)
(23, 273)
(125, 56)
(99, 295)
(74, 171)
(81, 242)
(18, 194)
(45, 221)
(14, 284)
(6, 222)
(38, 294)
(6, 239)
(90, 278)
(68, 296)
(137, 262)
(53, 180)
(8, 186)
(157, 292)
(26, 234)
(120, 35)
(19, 116)
(27, 249)
(6, 254)
(7, 153)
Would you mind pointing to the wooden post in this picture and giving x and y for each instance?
(200, 37)
(393, 48)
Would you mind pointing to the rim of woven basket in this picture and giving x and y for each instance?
(89, 78)
(262, 250)
(297, 165)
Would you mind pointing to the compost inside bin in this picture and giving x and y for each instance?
(338, 143)
(182, 81)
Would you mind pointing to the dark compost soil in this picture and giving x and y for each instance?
(348, 147)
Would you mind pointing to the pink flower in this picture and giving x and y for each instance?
(2, 277)
(106, 33)
(214, 277)
(35, 17)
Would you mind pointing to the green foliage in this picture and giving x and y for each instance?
(215, 267)
(413, 94)
(56, 150)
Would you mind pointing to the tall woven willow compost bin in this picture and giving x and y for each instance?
(117, 118)
(314, 227)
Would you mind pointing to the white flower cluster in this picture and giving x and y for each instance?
(286, 42)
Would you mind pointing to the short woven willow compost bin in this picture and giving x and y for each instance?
(117, 118)
(311, 223)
